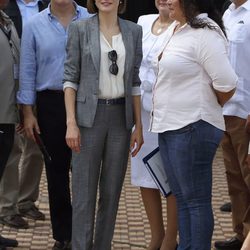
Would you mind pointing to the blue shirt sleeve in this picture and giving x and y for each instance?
(27, 88)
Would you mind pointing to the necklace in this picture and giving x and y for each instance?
(162, 26)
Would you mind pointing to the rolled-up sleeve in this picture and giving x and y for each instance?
(72, 63)
(212, 54)
(27, 88)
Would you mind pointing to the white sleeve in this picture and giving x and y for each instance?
(212, 55)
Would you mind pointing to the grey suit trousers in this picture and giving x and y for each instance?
(102, 164)
(20, 183)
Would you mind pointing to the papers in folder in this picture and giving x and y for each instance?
(155, 167)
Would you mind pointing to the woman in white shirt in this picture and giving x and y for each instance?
(155, 32)
(102, 98)
(194, 79)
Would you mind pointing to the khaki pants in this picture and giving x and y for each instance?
(19, 187)
(235, 150)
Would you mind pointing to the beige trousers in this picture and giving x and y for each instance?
(19, 187)
(235, 150)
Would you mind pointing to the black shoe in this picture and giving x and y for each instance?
(232, 244)
(33, 213)
(59, 245)
(5, 242)
(227, 207)
(15, 221)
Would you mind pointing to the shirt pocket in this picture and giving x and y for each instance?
(237, 33)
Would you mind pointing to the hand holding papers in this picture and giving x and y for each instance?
(156, 169)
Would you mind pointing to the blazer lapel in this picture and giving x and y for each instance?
(127, 38)
(94, 34)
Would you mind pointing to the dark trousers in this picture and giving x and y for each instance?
(6, 143)
(52, 122)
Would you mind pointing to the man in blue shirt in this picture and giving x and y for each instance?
(41, 72)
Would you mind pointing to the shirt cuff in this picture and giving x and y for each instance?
(136, 91)
(69, 84)
(26, 97)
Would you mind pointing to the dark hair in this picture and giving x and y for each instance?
(192, 8)
(92, 9)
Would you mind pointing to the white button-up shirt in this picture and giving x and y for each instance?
(237, 23)
(193, 63)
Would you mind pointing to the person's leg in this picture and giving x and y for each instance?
(188, 154)
(9, 189)
(85, 177)
(52, 122)
(112, 175)
(152, 203)
(30, 171)
(6, 142)
(246, 245)
(169, 241)
(235, 150)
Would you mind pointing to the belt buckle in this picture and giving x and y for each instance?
(108, 102)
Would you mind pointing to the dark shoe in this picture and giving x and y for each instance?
(15, 221)
(226, 207)
(232, 244)
(65, 245)
(33, 213)
(5, 242)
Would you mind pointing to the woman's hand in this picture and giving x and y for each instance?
(136, 141)
(73, 137)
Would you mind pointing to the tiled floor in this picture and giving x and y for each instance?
(132, 229)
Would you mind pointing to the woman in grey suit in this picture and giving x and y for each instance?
(102, 98)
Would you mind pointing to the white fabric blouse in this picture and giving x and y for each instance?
(193, 63)
(111, 86)
(151, 46)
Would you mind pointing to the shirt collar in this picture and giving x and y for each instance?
(77, 12)
(200, 16)
(32, 3)
(245, 5)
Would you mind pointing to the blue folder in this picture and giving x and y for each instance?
(154, 165)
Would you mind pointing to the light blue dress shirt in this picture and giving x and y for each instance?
(42, 54)
(27, 10)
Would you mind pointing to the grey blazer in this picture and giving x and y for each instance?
(82, 66)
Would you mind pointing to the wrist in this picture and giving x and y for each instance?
(71, 122)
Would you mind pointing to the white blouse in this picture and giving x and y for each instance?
(111, 86)
(193, 62)
(151, 45)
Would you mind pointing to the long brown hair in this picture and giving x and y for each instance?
(193, 7)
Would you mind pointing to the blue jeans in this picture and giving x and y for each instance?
(188, 155)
